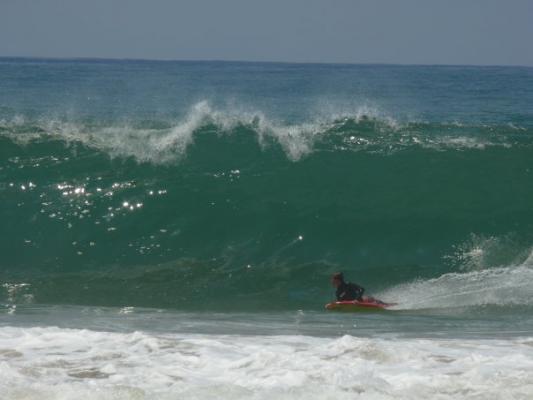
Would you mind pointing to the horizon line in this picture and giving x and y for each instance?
(242, 61)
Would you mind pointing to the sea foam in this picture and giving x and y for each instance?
(55, 363)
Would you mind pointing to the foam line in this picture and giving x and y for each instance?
(38, 363)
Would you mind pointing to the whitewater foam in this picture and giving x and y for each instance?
(490, 270)
(55, 363)
(500, 286)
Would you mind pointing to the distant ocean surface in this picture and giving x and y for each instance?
(168, 230)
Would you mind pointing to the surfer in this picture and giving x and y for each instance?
(346, 291)
(350, 297)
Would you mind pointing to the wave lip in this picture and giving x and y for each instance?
(363, 129)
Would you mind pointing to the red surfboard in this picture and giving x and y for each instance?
(355, 305)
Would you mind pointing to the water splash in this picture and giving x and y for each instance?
(484, 278)
(164, 141)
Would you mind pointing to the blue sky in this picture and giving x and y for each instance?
(481, 32)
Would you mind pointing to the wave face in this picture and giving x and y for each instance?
(244, 186)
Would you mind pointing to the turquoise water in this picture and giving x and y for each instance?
(212, 200)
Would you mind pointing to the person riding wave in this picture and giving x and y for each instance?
(352, 292)
(346, 291)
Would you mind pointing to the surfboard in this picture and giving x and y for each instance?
(356, 306)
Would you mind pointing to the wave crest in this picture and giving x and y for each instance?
(363, 129)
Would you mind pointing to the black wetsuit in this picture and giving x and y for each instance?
(349, 291)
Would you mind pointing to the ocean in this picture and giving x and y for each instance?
(169, 229)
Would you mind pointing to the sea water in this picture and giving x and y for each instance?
(168, 230)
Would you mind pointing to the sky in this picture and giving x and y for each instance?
(477, 32)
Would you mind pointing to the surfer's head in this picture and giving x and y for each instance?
(337, 279)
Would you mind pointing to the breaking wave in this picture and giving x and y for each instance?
(166, 141)
(491, 272)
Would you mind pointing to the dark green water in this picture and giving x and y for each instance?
(244, 186)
